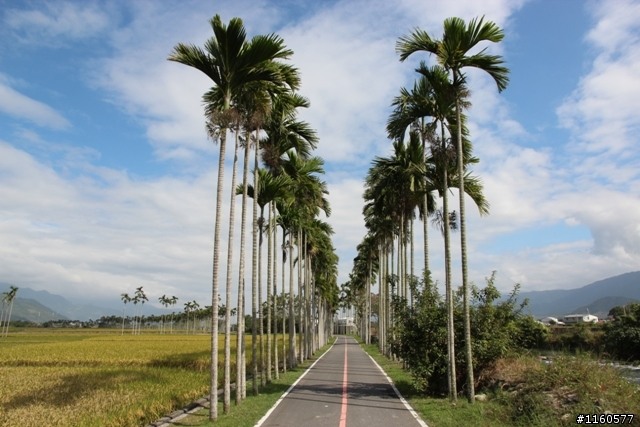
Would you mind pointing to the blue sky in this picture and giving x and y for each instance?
(107, 178)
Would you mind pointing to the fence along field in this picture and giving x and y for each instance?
(89, 378)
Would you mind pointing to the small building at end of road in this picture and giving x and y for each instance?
(571, 319)
(344, 326)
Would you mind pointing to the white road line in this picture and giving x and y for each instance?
(345, 397)
(273, 408)
(402, 399)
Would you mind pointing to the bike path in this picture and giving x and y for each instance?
(344, 388)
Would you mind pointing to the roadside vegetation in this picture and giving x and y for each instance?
(520, 390)
(526, 373)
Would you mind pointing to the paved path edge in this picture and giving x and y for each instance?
(275, 405)
(395, 389)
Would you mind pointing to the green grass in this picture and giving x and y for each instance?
(438, 412)
(526, 392)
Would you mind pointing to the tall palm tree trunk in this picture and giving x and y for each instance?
(254, 270)
(240, 335)
(311, 300)
(213, 396)
(390, 300)
(448, 287)
(302, 298)
(412, 275)
(284, 305)
(425, 209)
(227, 333)
(380, 300)
(8, 322)
(269, 299)
(276, 364)
(370, 273)
(292, 324)
(463, 250)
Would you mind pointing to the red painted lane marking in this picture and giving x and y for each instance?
(343, 412)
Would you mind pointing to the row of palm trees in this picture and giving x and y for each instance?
(7, 307)
(431, 154)
(191, 316)
(139, 297)
(254, 98)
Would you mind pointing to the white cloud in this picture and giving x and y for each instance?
(20, 106)
(166, 97)
(103, 229)
(55, 22)
(602, 110)
(616, 25)
(346, 219)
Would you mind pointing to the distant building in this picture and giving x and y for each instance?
(344, 326)
(570, 319)
(551, 321)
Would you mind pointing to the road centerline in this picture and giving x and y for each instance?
(345, 397)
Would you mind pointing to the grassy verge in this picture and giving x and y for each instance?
(249, 412)
(438, 412)
(526, 392)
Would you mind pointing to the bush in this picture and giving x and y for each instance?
(553, 394)
(530, 334)
(498, 328)
(421, 338)
(622, 336)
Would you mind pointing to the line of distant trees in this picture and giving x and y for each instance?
(192, 319)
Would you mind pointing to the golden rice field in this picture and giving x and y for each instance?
(99, 378)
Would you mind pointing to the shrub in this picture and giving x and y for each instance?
(553, 394)
(622, 336)
(420, 334)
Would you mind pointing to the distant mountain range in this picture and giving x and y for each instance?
(30, 310)
(42, 306)
(596, 298)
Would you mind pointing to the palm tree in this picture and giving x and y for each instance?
(308, 191)
(398, 183)
(194, 309)
(411, 108)
(452, 52)
(172, 301)
(231, 62)
(140, 297)
(285, 133)
(165, 301)
(188, 307)
(395, 184)
(323, 263)
(7, 303)
(255, 106)
(270, 188)
(135, 299)
(125, 299)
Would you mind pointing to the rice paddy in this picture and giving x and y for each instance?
(95, 377)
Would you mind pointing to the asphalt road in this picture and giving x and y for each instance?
(344, 388)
